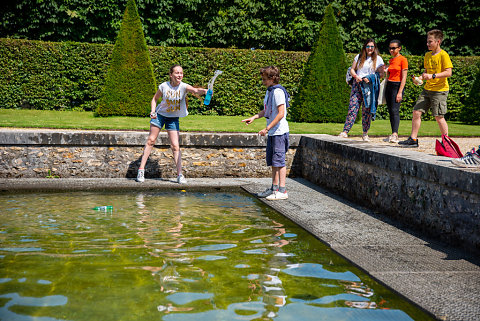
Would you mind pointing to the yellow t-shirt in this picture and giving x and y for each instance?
(435, 64)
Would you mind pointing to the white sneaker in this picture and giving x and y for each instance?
(276, 195)
(365, 138)
(343, 134)
(265, 193)
(181, 179)
(393, 139)
(470, 160)
(141, 176)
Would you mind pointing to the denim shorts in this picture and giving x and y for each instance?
(277, 147)
(171, 123)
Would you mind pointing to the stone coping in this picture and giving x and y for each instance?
(9, 185)
(129, 138)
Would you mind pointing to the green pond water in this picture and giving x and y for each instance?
(174, 256)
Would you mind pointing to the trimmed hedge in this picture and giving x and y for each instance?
(71, 76)
(470, 113)
(52, 75)
(130, 84)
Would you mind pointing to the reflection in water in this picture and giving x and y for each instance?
(317, 271)
(15, 299)
(174, 256)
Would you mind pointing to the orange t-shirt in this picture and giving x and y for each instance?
(396, 65)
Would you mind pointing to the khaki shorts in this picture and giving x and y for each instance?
(434, 100)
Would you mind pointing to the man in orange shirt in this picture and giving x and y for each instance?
(438, 67)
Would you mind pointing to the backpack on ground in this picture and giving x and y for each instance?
(447, 147)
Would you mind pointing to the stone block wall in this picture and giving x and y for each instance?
(40, 154)
(425, 192)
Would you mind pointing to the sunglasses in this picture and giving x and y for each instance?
(369, 47)
(393, 48)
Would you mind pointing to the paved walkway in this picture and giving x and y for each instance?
(440, 279)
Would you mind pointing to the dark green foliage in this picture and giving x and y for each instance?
(130, 84)
(409, 21)
(71, 76)
(52, 76)
(323, 92)
(268, 24)
(470, 113)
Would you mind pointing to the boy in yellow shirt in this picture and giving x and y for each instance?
(438, 67)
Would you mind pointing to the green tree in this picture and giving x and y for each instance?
(130, 83)
(267, 24)
(323, 93)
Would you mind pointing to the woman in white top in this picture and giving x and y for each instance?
(367, 62)
(171, 108)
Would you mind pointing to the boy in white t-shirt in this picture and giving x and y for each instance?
(275, 111)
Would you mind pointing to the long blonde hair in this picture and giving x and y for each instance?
(362, 56)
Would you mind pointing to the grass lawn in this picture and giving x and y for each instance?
(195, 123)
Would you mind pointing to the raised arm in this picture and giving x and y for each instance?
(196, 91)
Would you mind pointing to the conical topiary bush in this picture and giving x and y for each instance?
(323, 94)
(130, 84)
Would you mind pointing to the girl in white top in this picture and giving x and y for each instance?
(167, 113)
(367, 62)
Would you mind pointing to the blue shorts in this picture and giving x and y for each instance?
(171, 123)
(277, 147)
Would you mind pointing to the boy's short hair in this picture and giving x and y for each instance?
(272, 72)
(437, 34)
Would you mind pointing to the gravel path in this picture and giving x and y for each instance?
(427, 144)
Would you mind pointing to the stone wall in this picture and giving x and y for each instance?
(39, 154)
(423, 191)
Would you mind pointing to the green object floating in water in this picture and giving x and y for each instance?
(103, 208)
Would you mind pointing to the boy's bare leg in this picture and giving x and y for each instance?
(275, 178)
(442, 124)
(416, 122)
(282, 176)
